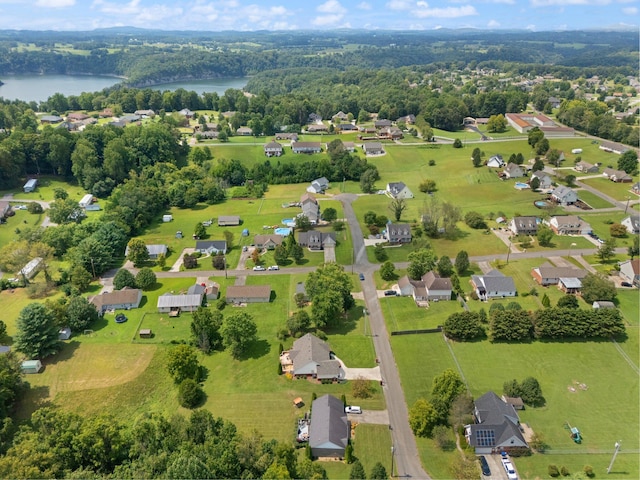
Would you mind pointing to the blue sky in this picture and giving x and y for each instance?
(537, 15)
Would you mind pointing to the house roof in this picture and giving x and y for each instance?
(568, 221)
(262, 239)
(495, 281)
(570, 282)
(561, 192)
(152, 249)
(117, 297)
(196, 289)
(229, 218)
(309, 348)
(611, 172)
(492, 410)
(249, 291)
(546, 270)
(527, 223)
(372, 146)
(273, 145)
(603, 304)
(433, 281)
(404, 281)
(169, 300)
(215, 244)
(317, 237)
(403, 229)
(634, 220)
(308, 197)
(635, 265)
(512, 168)
(396, 187)
(329, 427)
(540, 174)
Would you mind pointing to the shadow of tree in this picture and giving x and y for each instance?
(256, 349)
(30, 400)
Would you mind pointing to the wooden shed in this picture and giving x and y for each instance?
(145, 333)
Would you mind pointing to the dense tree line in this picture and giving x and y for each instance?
(516, 325)
(58, 444)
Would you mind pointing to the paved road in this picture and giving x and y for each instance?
(407, 460)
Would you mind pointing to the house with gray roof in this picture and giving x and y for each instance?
(632, 223)
(630, 271)
(617, 176)
(398, 190)
(496, 161)
(273, 149)
(547, 274)
(398, 233)
(382, 123)
(493, 284)
(524, 225)
(372, 148)
(613, 147)
(171, 303)
(311, 357)
(496, 427)
(311, 210)
(306, 147)
(316, 240)
(513, 170)
(544, 178)
(124, 299)
(430, 288)
(211, 247)
(30, 186)
(319, 185)
(564, 195)
(229, 220)
(586, 167)
(329, 429)
(568, 225)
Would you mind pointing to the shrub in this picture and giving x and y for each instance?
(34, 207)
(348, 453)
(564, 471)
(588, 471)
(361, 388)
(553, 471)
(189, 393)
(463, 326)
(475, 220)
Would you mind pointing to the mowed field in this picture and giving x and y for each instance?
(109, 370)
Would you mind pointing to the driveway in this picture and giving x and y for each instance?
(374, 417)
(365, 373)
(178, 263)
(329, 254)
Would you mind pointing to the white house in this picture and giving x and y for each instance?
(493, 284)
(496, 161)
(30, 186)
(170, 303)
(632, 222)
(568, 225)
(630, 271)
(31, 268)
(399, 190)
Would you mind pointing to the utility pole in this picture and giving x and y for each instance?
(615, 454)
(508, 251)
(627, 207)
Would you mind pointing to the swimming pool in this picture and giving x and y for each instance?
(282, 231)
(521, 186)
(541, 203)
(289, 222)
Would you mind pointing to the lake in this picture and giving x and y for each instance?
(40, 87)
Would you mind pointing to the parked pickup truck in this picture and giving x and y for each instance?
(508, 466)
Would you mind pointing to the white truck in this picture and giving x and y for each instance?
(508, 466)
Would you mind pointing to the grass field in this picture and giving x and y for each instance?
(486, 366)
(593, 200)
(619, 191)
(106, 371)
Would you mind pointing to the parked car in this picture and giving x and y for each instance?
(626, 284)
(274, 267)
(390, 293)
(259, 268)
(352, 409)
(486, 471)
(361, 276)
(244, 249)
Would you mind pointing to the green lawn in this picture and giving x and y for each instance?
(45, 188)
(593, 200)
(619, 191)
(557, 366)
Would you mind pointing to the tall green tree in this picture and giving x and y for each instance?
(80, 313)
(182, 363)
(462, 262)
(238, 332)
(145, 278)
(397, 206)
(10, 384)
(423, 418)
(137, 252)
(205, 329)
(124, 278)
(37, 335)
(420, 262)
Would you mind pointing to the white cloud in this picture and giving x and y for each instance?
(133, 13)
(493, 24)
(332, 7)
(448, 12)
(563, 3)
(630, 11)
(364, 6)
(327, 20)
(399, 5)
(55, 3)
(531, 28)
